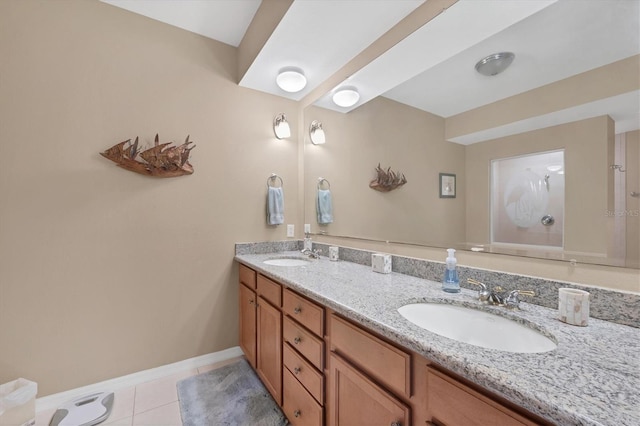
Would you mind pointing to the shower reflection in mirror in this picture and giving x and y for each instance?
(527, 200)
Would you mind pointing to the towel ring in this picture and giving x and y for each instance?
(272, 179)
(322, 180)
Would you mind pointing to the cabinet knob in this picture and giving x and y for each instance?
(296, 370)
(297, 310)
(297, 413)
(296, 340)
(396, 424)
(252, 302)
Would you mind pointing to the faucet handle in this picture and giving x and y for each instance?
(483, 293)
(513, 298)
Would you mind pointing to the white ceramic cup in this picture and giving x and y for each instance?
(333, 253)
(573, 306)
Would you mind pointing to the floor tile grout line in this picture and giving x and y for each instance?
(158, 406)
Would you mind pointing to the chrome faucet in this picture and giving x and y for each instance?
(313, 254)
(497, 296)
(512, 300)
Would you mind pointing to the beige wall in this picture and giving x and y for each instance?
(409, 141)
(104, 272)
(587, 172)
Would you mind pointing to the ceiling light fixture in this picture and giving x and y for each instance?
(494, 64)
(281, 126)
(346, 97)
(316, 133)
(291, 79)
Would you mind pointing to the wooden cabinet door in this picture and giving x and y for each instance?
(355, 400)
(248, 323)
(270, 348)
(452, 403)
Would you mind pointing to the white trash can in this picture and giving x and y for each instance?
(18, 403)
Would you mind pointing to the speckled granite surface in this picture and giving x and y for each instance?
(592, 378)
(609, 305)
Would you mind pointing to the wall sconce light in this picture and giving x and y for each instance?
(316, 133)
(281, 126)
(346, 97)
(291, 79)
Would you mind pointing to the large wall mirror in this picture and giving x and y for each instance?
(572, 91)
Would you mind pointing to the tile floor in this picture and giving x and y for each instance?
(153, 403)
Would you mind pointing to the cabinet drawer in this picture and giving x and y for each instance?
(247, 276)
(298, 405)
(306, 374)
(453, 403)
(304, 311)
(270, 290)
(304, 342)
(388, 364)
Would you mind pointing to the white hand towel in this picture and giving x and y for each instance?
(275, 206)
(324, 207)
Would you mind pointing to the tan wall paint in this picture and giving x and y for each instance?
(587, 171)
(610, 80)
(414, 145)
(104, 272)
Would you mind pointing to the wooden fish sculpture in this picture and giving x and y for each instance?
(387, 180)
(161, 160)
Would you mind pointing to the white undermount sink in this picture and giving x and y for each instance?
(287, 261)
(477, 328)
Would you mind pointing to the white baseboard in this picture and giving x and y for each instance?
(57, 399)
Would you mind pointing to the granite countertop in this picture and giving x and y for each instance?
(592, 378)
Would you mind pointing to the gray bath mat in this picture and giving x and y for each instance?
(231, 395)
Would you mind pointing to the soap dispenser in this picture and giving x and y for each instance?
(450, 282)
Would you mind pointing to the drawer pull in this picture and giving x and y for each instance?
(396, 424)
(297, 413)
(297, 310)
(296, 340)
(296, 370)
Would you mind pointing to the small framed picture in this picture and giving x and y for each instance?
(447, 185)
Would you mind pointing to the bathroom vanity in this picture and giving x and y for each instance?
(329, 344)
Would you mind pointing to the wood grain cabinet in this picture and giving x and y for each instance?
(324, 369)
(356, 400)
(248, 304)
(368, 378)
(303, 359)
(269, 336)
(261, 328)
(450, 403)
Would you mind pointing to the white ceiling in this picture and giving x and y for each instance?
(320, 36)
(222, 20)
(433, 68)
(562, 40)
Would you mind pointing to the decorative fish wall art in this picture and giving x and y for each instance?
(161, 160)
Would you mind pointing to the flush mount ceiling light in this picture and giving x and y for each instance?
(316, 133)
(495, 63)
(346, 97)
(291, 79)
(281, 126)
